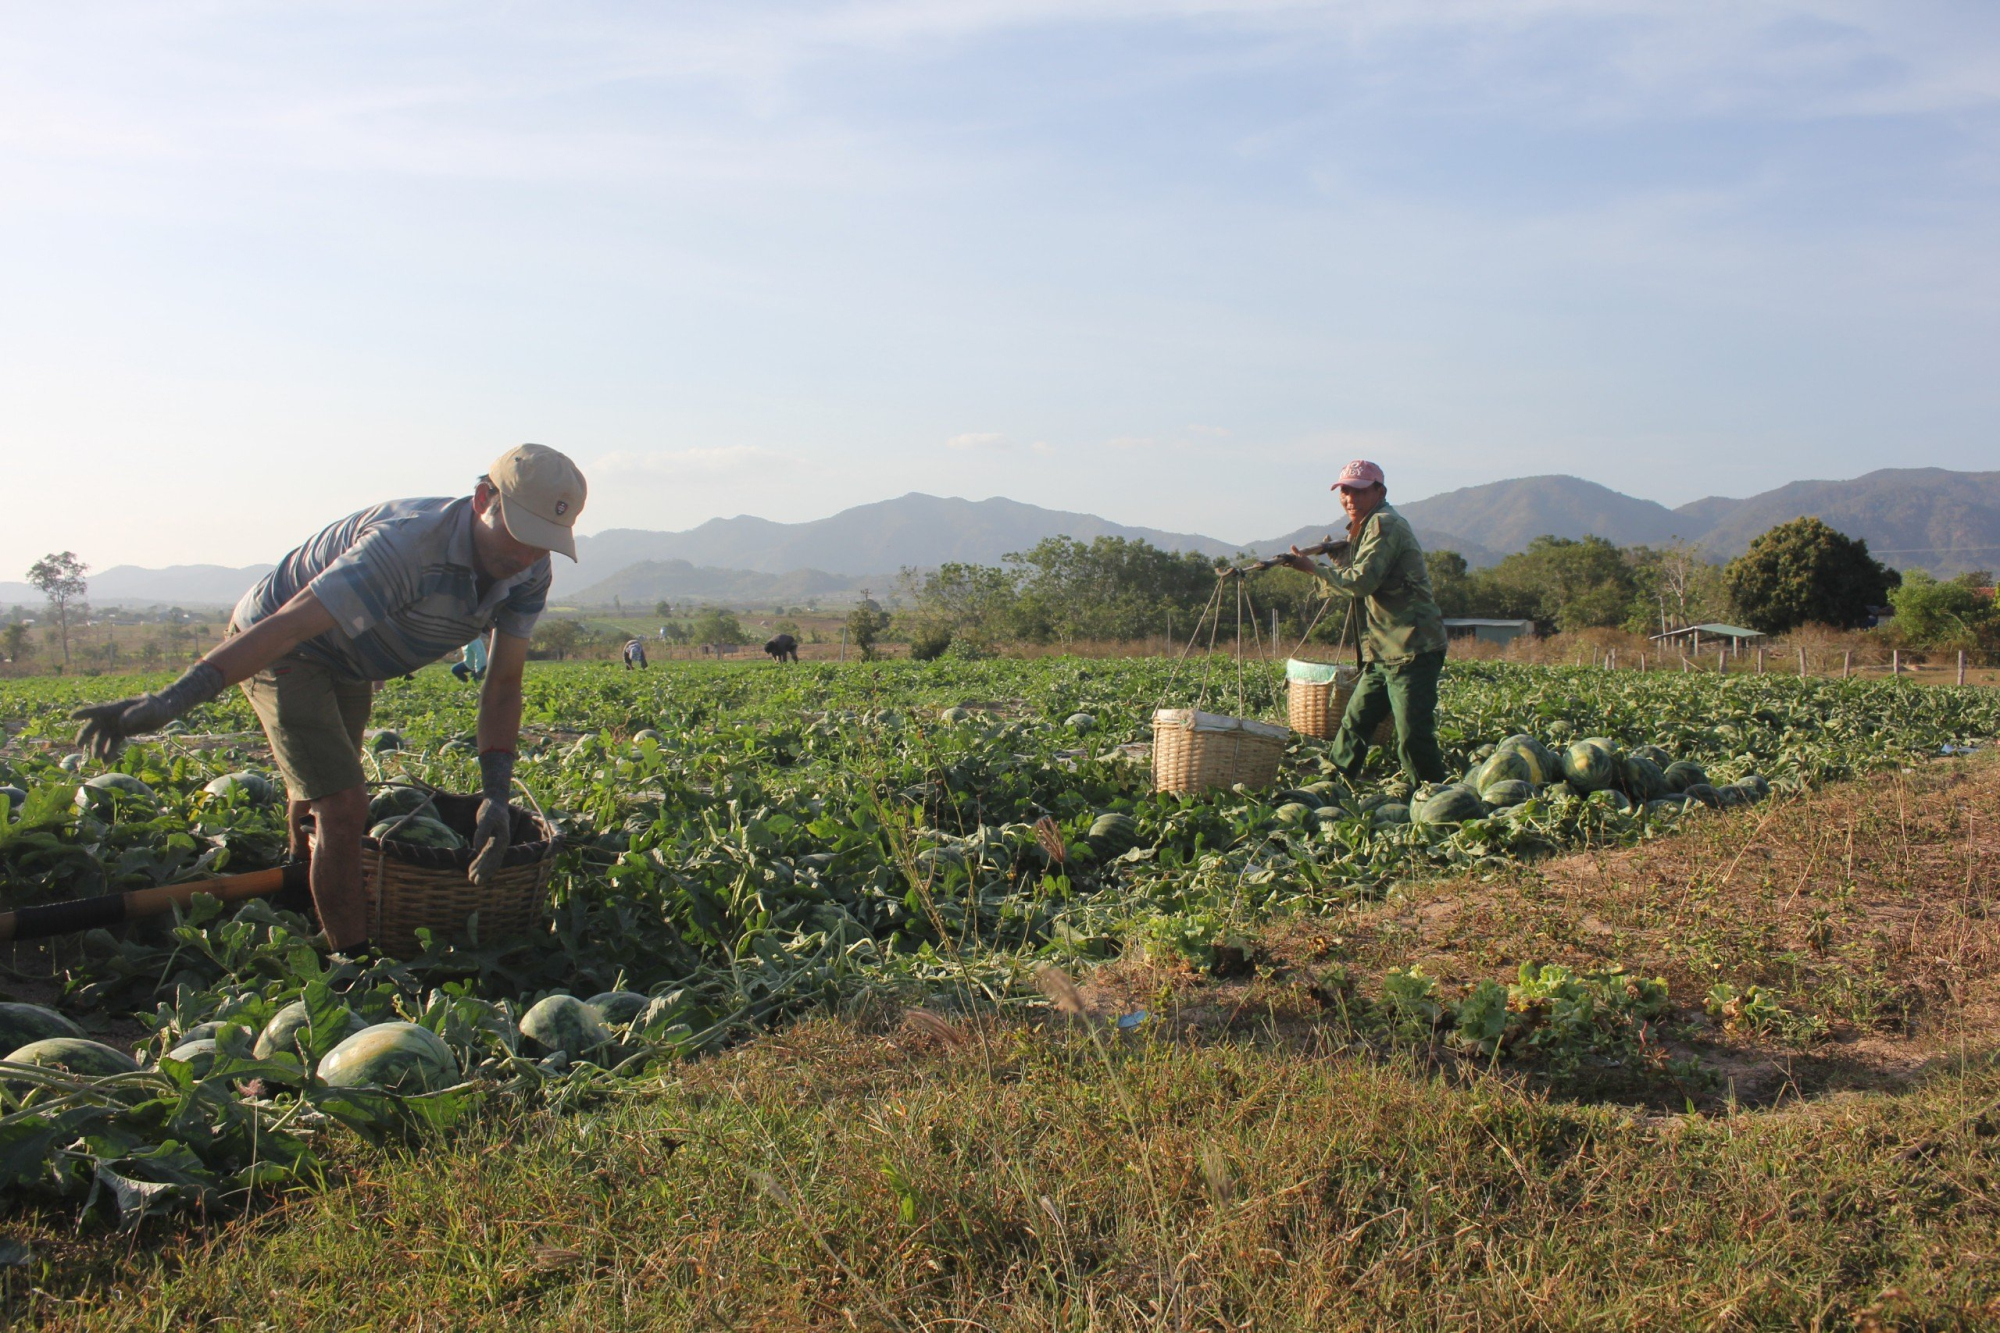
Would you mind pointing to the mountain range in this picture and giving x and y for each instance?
(1931, 518)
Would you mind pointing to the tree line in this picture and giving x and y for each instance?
(1798, 573)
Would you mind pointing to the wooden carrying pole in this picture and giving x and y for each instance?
(30, 923)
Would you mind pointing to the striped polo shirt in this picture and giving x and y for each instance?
(400, 583)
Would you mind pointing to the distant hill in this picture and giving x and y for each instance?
(915, 529)
(650, 581)
(1506, 515)
(176, 585)
(1947, 522)
(1922, 517)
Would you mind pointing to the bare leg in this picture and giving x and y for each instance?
(297, 812)
(336, 866)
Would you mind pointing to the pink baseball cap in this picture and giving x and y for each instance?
(1358, 475)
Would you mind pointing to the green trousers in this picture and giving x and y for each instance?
(1408, 691)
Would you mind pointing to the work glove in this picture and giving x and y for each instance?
(490, 834)
(105, 726)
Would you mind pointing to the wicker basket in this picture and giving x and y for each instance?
(410, 886)
(1196, 751)
(1316, 695)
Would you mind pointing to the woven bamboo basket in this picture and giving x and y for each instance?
(410, 887)
(1316, 695)
(1197, 751)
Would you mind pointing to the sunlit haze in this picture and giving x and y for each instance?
(1170, 263)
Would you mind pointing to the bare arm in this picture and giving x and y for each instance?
(500, 695)
(242, 656)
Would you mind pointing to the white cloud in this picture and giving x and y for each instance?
(984, 440)
(1044, 448)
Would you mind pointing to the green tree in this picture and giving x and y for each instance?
(664, 610)
(60, 578)
(1109, 588)
(1560, 583)
(1804, 572)
(1452, 584)
(866, 623)
(15, 641)
(975, 602)
(717, 627)
(561, 637)
(1957, 613)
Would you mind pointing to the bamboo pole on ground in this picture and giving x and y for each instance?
(1896, 662)
(1802, 661)
(1846, 663)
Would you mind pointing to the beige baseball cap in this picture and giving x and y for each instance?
(541, 493)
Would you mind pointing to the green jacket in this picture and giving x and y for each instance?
(1385, 570)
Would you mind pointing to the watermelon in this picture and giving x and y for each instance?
(15, 797)
(1326, 791)
(1450, 804)
(1112, 835)
(395, 802)
(1611, 798)
(1734, 794)
(105, 793)
(1643, 779)
(71, 763)
(281, 1034)
(256, 788)
(1757, 783)
(421, 831)
(1671, 806)
(648, 734)
(1587, 766)
(1704, 793)
(198, 1052)
(1329, 814)
(400, 1057)
(1501, 795)
(77, 1055)
(1559, 729)
(381, 742)
(566, 1024)
(1547, 765)
(1653, 753)
(1293, 812)
(1390, 812)
(24, 1023)
(1080, 722)
(1683, 774)
(459, 745)
(1508, 765)
(619, 1007)
(1303, 795)
(955, 715)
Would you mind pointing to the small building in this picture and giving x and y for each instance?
(1691, 639)
(1487, 631)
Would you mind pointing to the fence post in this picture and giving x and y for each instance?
(1611, 659)
(1642, 663)
(1961, 666)
(843, 643)
(1760, 661)
(1802, 661)
(1846, 663)
(1274, 629)
(1721, 661)
(1896, 662)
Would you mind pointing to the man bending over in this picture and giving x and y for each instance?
(371, 598)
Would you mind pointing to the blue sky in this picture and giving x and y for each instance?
(1170, 263)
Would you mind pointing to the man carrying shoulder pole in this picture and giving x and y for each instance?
(369, 599)
(1381, 574)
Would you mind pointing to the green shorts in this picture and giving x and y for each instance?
(315, 720)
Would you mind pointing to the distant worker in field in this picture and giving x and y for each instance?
(1380, 574)
(376, 595)
(471, 663)
(635, 654)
